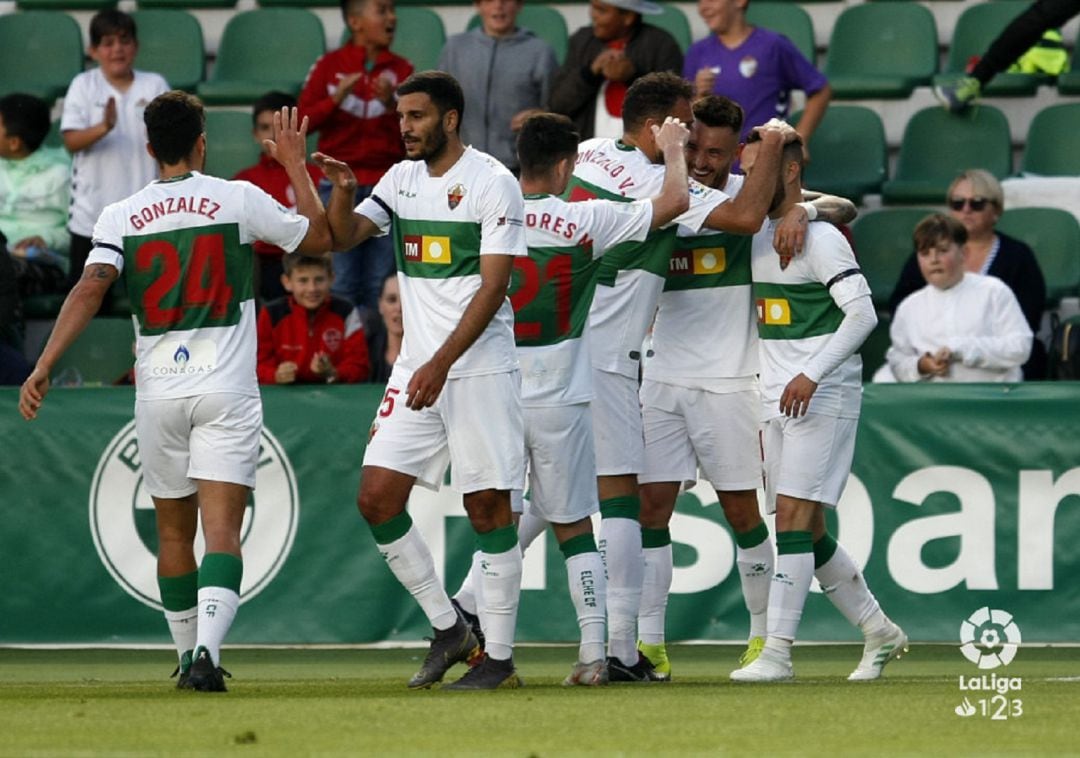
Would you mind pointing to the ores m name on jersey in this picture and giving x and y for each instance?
(631, 275)
(705, 333)
(552, 289)
(441, 226)
(183, 246)
(798, 309)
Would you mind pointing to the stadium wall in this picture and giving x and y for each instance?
(961, 496)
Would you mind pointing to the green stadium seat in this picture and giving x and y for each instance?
(848, 153)
(303, 3)
(54, 138)
(255, 56)
(1054, 235)
(229, 144)
(938, 145)
(100, 356)
(881, 50)
(1053, 142)
(40, 53)
(64, 5)
(186, 4)
(883, 245)
(419, 37)
(674, 22)
(171, 43)
(790, 20)
(1069, 82)
(976, 28)
(545, 22)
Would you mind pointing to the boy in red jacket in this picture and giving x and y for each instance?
(349, 100)
(311, 336)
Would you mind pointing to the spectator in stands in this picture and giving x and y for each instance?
(757, 68)
(35, 184)
(102, 126)
(604, 59)
(976, 200)
(349, 100)
(13, 363)
(384, 341)
(505, 72)
(271, 177)
(311, 336)
(962, 326)
(1015, 39)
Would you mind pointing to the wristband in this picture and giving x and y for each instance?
(811, 211)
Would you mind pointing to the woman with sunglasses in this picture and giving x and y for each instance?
(976, 200)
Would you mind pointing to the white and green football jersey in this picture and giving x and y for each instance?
(184, 248)
(553, 287)
(799, 309)
(705, 335)
(632, 274)
(441, 226)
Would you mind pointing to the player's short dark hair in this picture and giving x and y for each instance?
(544, 140)
(352, 8)
(110, 21)
(793, 151)
(442, 88)
(292, 261)
(25, 117)
(717, 111)
(937, 227)
(653, 96)
(174, 120)
(271, 101)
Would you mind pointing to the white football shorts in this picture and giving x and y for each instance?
(213, 437)
(808, 457)
(687, 429)
(617, 430)
(562, 463)
(476, 426)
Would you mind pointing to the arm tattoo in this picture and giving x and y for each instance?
(97, 271)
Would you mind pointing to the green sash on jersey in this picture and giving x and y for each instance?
(795, 311)
(188, 278)
(427, 249)
(652, 255)
(551, 291)
(709, 260)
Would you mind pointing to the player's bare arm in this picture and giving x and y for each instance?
(81, 305)
(745, 213)
(427, 383)
(288, 147)
(674, 197)
(347, 227)
(791, 231)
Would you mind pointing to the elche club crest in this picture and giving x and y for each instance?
(125, 537)
(989, 638)
(454, 195)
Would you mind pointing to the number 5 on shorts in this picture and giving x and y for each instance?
(387, 405)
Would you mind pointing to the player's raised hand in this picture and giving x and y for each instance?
(339, 174)
(32, 393)
(671, 134)
(790, 234)
(289, 143)
(776, 126)
(796, 396)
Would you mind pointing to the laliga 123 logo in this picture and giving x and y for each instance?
(989, 638)
(125, 535)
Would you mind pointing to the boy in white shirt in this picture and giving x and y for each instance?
(960, 327)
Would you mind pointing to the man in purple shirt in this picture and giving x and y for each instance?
(755, 67)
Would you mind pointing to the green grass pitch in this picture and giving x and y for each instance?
(354, 702)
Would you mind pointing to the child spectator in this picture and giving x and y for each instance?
(311, 336)
(960, 327)
(349, 100)
(757, 68)
(34, 188)
(271, 177)
(506, 73)
(384, 339)
(102, 127)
